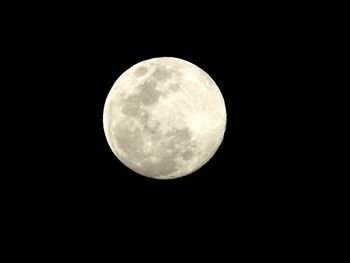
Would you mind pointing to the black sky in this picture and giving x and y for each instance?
(73, 57)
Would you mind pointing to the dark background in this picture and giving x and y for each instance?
(254, 183)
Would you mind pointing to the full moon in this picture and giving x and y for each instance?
(164, 118)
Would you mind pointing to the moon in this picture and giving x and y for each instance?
(164, 118)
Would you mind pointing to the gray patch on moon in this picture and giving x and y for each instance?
(140, 71)
(149, 94)
(152, 130)
(161, 73)
(132, 106)
(174, 87)
(187, 155)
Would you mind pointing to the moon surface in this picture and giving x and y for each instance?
(164, 118)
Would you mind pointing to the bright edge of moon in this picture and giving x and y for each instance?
(164, 118)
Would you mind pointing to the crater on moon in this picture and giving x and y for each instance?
(164, 138)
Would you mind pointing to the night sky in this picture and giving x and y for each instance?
(253, 182)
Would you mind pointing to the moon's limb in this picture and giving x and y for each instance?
(164, 118)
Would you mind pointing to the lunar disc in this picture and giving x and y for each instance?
(164, 118)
